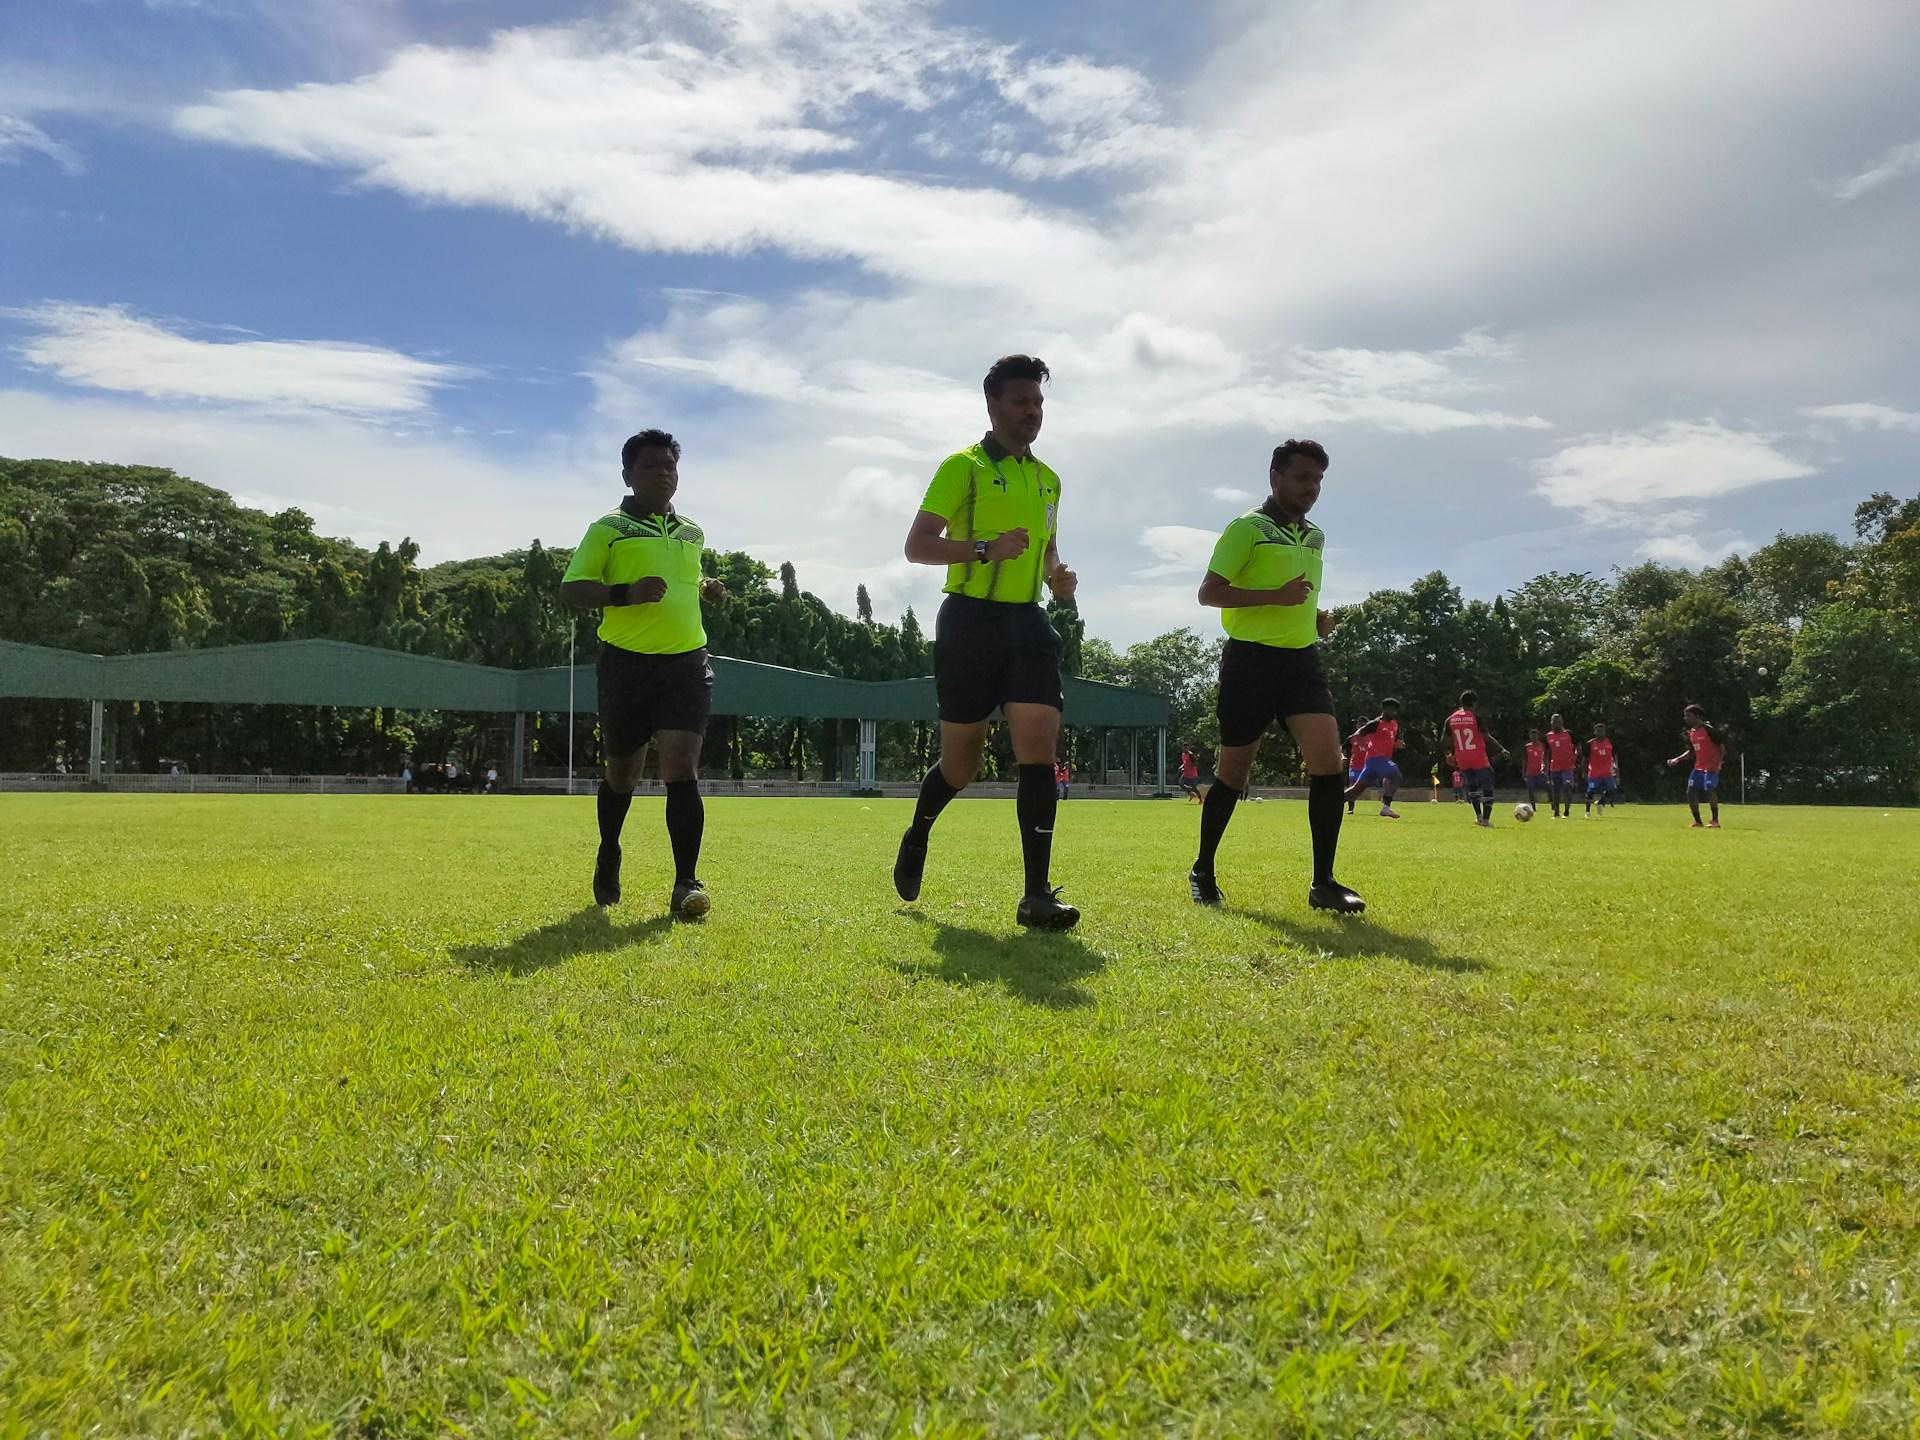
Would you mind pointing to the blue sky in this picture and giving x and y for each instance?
(1559, 286)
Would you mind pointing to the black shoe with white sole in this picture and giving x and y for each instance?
(1045, 911)
(690, 900)
(909, 865)
(1203, 889)
(1332, 895)
(606, 876)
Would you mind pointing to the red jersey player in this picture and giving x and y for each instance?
(1562, 758)
(1708, 748)
(1372, 763)
(1535, 774)
(1468, 744)
(1602, 778)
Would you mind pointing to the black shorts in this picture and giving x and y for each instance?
(641, 695)
(989, 653)
(1263, 683)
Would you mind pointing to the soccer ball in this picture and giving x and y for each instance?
(1523, 812)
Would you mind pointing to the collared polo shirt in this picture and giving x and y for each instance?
(628, 544)
(983, 492)
(1257, 552)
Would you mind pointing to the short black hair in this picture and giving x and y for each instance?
(1013, 367)
(1312, 449)
(1467, 697)
(646, 440)
(1694, 710)
(1389, 703)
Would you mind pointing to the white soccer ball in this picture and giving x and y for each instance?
(1763, 672)
(1523, 812)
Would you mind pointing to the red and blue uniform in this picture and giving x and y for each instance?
(1536, 772)
(1470, 754)
(1708, 753)
(1560, 753)
(1373, 754)
(1601, 779)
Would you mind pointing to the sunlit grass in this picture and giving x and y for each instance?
(329, 1114)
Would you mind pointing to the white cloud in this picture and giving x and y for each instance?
(20, 137)
(1689, 551)
(1177, 550)
(104, 347)
(1901, 160)
(1610, 478)
(1233, 496)
(1863, 414)
(368, 484)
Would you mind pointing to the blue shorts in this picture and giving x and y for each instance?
(1480, 782)
(1564, 777)
(1704, 780)
(1377, 769)
(1602, 785)
(1537, 782)
(1189, 782)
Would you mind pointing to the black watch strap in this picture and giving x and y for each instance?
(617, 594)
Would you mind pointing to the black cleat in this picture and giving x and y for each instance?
(1202, 888)
(1045, 912)
(690, 900)
(606, 876)
(1332, 895)
(909, 865)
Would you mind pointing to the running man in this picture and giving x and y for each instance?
(1708, 748)
(639, 565)
(1190, 775)
(991, 517)
(1468, 743)
(1372, 747)
(1536, 767)
(1602, 778)
(1263, 578)
(1062, 776)
(1562, 765)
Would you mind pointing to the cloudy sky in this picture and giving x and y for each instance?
(1560, 285)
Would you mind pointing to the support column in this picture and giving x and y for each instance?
(869, 743)
(93, 748)
(1162, 787)
(516, 771)
(1133, 761)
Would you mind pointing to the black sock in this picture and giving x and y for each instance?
(1694, 806)
(1036, 804)
(686, 823)
(612, 806)
(1324, 814)
(1215, 811)
(935, 792)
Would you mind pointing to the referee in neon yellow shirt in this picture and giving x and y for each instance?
(639, 565)
(991, 518)
(1264, 578)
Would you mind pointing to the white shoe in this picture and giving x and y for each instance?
(1387, 812)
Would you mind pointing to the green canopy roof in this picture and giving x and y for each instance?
(333, 672)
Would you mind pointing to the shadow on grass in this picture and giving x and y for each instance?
(1039, 967)
(1354, 937)
(589, 931)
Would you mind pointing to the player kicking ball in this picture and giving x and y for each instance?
(1372, 747)
(1561, 771)
(1469, 743)
(1707, 748)
(1263, 578)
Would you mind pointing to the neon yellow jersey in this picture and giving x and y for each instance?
(985, 491)
(1257, 552)
(622, 547)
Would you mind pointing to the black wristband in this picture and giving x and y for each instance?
(617, 594)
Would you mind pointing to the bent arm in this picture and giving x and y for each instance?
(1219, 593)
(927, 543)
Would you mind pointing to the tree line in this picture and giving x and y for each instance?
(1808, 649)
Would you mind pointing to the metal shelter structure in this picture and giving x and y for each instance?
(334, 672)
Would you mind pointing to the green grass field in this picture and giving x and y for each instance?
(344, 1115)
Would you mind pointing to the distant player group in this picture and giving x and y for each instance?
(991, 518)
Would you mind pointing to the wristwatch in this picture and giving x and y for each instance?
(980, 551)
